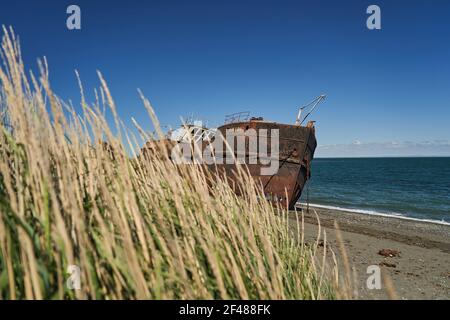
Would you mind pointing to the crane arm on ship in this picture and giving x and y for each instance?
(313, 104)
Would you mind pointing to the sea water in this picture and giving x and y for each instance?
(417, 188)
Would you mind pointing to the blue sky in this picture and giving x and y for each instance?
(210, 58)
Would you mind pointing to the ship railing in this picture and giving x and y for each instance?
(237, 117)
(196, 134)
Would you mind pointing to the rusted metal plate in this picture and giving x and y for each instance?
(296, 150)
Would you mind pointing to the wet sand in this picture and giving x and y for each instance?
(421, 269)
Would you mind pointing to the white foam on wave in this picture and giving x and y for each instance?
(376, 213)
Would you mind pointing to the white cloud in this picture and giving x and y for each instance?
(388, 149)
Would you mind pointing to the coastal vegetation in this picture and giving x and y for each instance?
(76, 194)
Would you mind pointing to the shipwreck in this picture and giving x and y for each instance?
(278, 156)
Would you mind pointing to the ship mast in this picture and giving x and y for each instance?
(314, 104)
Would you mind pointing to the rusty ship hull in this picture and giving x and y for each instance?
(296, 151)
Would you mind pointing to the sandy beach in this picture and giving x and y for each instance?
(418, 262)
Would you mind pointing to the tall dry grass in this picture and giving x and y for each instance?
(138, 227)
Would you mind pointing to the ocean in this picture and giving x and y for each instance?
(415, 188)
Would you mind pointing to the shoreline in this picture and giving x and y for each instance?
(373, 213)
(420, 271)
(417, 232)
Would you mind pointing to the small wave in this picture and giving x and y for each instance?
(376, 213)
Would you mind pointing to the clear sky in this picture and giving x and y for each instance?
(209, 58)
